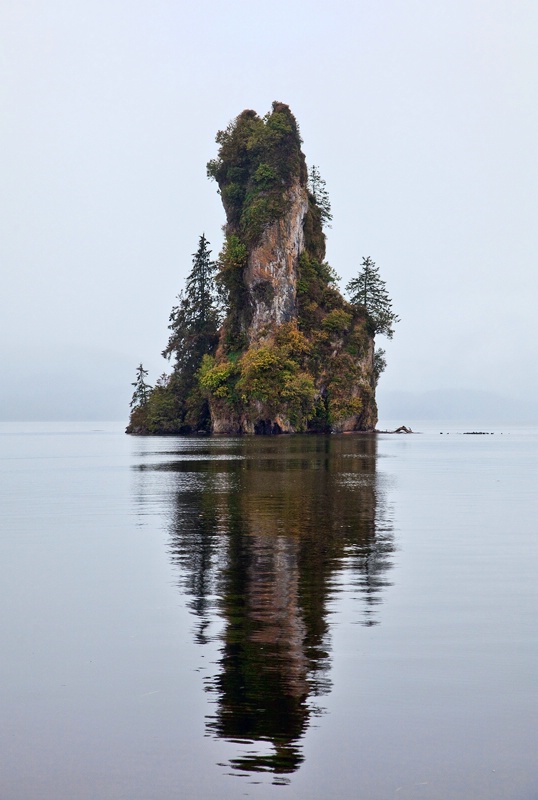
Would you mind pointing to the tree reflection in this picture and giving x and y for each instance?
(266, 534)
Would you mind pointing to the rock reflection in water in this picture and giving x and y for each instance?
(263, 532)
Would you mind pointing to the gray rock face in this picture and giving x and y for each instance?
(271, 274)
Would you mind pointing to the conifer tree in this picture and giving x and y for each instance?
(194, 321)
(142, 389)
(368, 290)
(380, 363)
(162, 381)
(318, 189)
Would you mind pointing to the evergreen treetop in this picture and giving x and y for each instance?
(318, 189)
(194, 321)
(142, 389)
(368, 290)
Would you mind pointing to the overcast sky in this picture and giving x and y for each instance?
(421, 115)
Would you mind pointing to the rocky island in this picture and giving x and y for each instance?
(262, 340)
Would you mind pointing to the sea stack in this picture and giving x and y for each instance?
(293, 354)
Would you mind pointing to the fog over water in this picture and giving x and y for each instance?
(422, 118)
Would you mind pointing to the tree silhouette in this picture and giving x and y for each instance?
(142, 389)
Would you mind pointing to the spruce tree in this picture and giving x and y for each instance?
(318, 189)
(194, 324)
(380, 364)
(142, 389)
(368, 290)
(194, 321)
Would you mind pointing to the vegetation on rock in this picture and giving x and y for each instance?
(262, 340)
(257, 157)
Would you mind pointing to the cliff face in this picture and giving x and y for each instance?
(293, 354)
(272, 269)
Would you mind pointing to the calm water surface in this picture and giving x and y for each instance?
(348, 617)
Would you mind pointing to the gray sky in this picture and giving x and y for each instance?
(422, 116)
